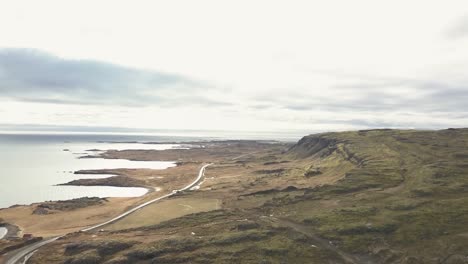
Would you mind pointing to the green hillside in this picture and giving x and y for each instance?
(377, 196)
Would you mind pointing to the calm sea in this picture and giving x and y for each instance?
(31, 165)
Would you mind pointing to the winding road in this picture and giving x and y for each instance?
(23, 254)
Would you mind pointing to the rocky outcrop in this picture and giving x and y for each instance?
(67, 205)
(117, 181)
(312, 145)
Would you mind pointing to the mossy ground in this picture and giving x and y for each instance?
(378, 196)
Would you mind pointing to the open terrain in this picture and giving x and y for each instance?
(38, 220)
(56, 218)
(376, 196)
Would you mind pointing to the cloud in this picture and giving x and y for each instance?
(459, 30)
(376, 95)
(320, 99)
(35, 76)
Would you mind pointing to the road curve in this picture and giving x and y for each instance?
(200, 175)
(19, 257)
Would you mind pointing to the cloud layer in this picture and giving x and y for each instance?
(31, 75)
(346, 101)
(284, 65)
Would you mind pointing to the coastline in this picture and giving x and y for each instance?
(311, 197)
(161, 181)
(157, 182)
(9, 231)
(170, 182)
(51, 160)
(29, 221)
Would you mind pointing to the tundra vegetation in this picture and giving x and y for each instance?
(375, 196)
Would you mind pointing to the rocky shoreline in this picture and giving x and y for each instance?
(53, 218)
(67, 205)
(12, 230)
(114, 181)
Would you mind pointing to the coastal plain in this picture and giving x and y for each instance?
(369, 196)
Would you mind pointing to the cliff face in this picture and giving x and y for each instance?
(323, 145)
(404, 202)
(369, 196)
(312, 145)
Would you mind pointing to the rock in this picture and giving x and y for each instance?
(40, 211)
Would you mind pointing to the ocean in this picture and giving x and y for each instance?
(32, 164)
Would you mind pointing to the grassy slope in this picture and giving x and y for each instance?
(405, 201)
(382, 196)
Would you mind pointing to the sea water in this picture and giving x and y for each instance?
(31, 165)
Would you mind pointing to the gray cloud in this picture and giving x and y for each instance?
(358, 100)
(377, 95)
(31, 75)
(374, 102)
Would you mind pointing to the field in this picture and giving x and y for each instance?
(165, 210)
(376, 196)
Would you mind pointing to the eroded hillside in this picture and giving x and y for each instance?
(379, 196)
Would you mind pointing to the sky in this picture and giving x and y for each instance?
(234, 65)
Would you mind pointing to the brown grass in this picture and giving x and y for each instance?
(64, 222)
(165, 210)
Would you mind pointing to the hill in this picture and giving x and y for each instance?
(375, 196)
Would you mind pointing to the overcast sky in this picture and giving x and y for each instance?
(235, 65)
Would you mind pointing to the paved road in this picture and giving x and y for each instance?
(20, 254)
(23, 254)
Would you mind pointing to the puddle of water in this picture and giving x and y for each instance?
(3, 232)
